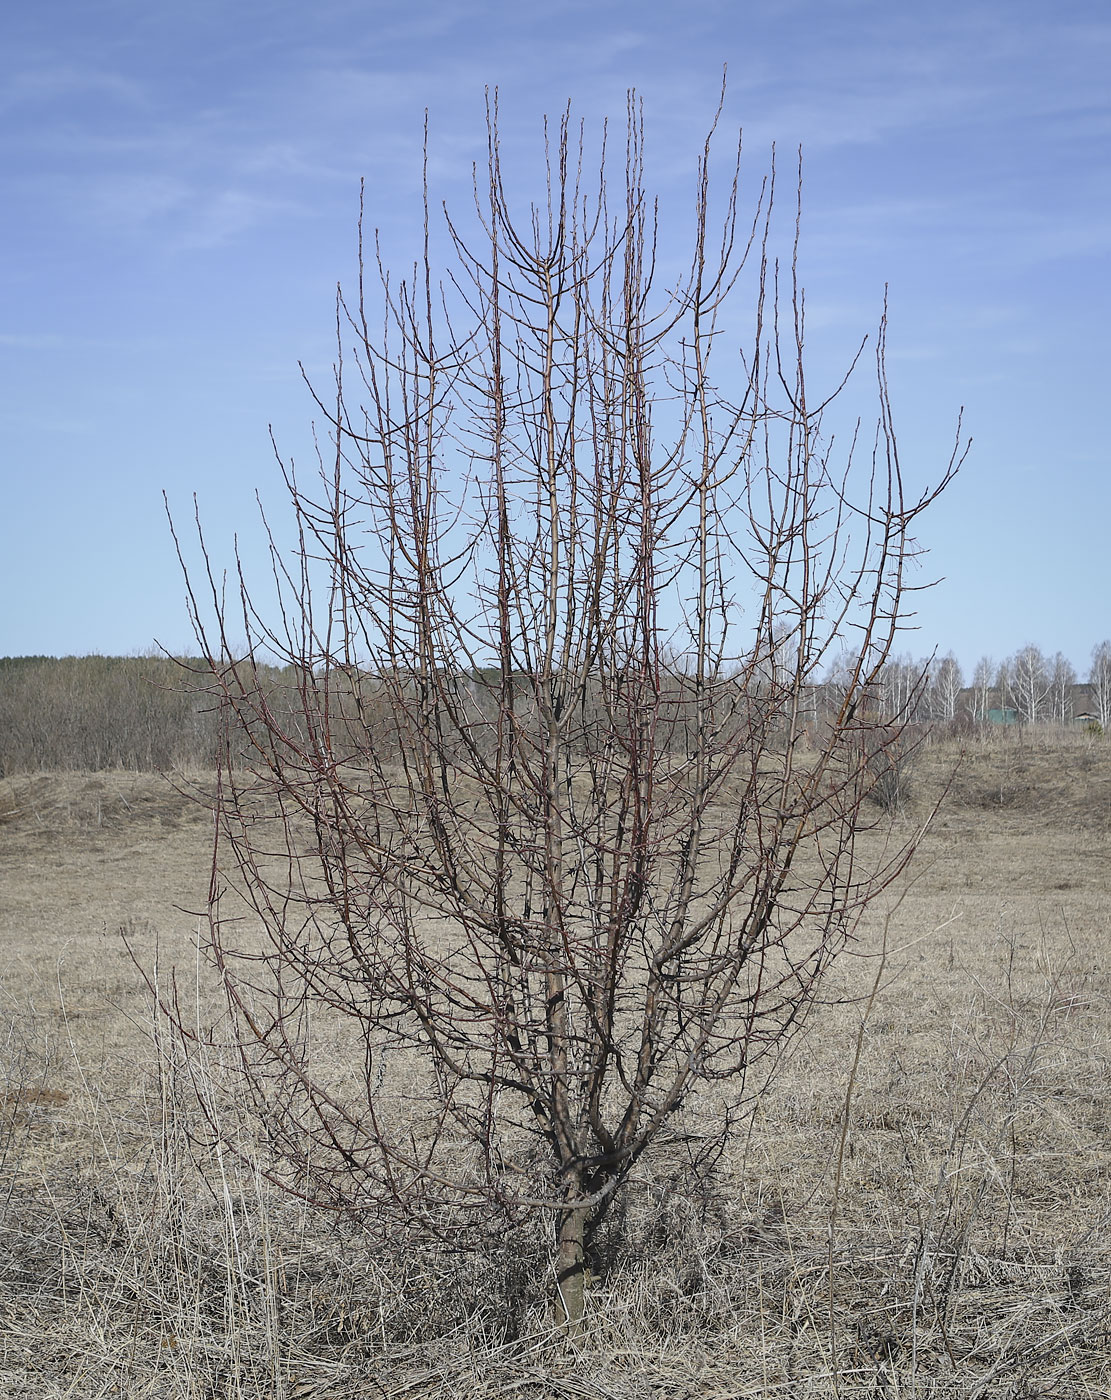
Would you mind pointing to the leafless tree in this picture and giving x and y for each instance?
(1099, 678)
(946, 683)
(903, 682)
(1062, 678)
(983, 678)
(1028, 683)
(553, 844)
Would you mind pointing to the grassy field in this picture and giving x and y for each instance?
(919, 1206)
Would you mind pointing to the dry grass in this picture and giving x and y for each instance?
(919, 1207)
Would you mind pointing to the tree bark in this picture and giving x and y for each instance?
(572, 1269)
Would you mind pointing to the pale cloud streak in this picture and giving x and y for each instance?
(51, 85)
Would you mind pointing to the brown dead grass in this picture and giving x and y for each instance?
(934, 1223)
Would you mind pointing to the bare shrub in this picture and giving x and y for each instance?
(552, 842)
(892, 753)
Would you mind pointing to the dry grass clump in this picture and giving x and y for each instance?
(46, 807)
(919, 1205)
(1051, 775)
(153, 1270)
(959, 1262)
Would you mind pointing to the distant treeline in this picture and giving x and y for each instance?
(1026, 688)
(96, 712)
(157, 712)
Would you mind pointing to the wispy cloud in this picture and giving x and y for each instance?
(44, 340)
(224, 215)
(54, 85)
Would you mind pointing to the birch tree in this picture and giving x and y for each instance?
(983, 680)
(1028, 683)
(1099, 678)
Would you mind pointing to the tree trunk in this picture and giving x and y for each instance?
(572, 1270)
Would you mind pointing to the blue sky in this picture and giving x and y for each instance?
(179, 186)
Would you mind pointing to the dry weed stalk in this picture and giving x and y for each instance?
(554, 837)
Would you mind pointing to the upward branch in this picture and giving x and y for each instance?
(566, 824)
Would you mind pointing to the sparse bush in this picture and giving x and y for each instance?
(551, 860)
(892, 752)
